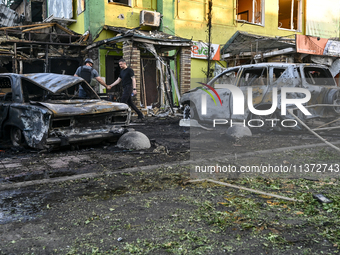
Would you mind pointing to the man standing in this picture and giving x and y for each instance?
(87, 72)
(127, 77)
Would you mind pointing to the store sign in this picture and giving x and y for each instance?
(317, 46)
(200, 50)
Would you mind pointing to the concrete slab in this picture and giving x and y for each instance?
(134, 140)
(239, 131)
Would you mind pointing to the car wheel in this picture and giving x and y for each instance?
(333, 98)
(262, 125)
(17, 138)
(190, 112)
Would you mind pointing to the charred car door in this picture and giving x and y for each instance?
(223, 109)
(320, 82)
(256, 78)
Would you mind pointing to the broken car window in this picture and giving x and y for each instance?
(88, 89)
(277, 72)
(280, 75)
(5, 89)
(32, 92)
(228, 78)
(254, 77)
(318, 76)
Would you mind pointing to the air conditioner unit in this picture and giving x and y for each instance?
(149, 18)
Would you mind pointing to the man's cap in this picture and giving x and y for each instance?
(88, 60)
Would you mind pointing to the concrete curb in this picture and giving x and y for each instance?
(149, 168)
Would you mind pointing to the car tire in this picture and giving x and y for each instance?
(17, 137)
(190, 112)
(268, 126)
(333, 97)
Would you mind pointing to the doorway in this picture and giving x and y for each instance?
(112, 71)
(149, 81)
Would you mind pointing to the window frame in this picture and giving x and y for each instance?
(299, 16)
(252, 14)
(236, 70)
(129, 4)
(252, 81)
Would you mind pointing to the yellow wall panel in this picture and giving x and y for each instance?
(78, 26)
(147, 5)
(225, 3)
(191, 10)
(222, 15)
(126, 16)
(121, 16)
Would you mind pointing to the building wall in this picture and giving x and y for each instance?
(185, 18)
(102, 12)
(79, 26)
(190, 21)
(125, 16)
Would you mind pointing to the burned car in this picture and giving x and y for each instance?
(267, 86)
(43, 111)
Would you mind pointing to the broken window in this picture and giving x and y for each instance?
(254, 77)
(228, 78)
(32, 92)
(290, 14)
(80, 6)
(5, 89)
(125, 2)
(277, 72)
(250, 11)
(37, 11)
(61, 8)
(318, 76)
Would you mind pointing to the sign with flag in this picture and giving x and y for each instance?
(200, 50)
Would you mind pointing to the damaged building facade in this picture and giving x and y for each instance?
(313, 38)
(253, 31)
(32, 41)
(297, 49)
(132, 30)
(167, 43)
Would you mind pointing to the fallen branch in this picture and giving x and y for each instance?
(303, 124)
(248, 189)
(326, 124)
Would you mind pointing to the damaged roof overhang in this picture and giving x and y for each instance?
(243, 42)
(152, 37)
(42, 33)
(53, 82)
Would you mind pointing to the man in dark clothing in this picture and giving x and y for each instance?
(87, 72)
(127, 77)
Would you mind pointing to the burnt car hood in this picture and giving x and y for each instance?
(63, 108)
(53, 82)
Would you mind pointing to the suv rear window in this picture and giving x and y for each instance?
(318, 76)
